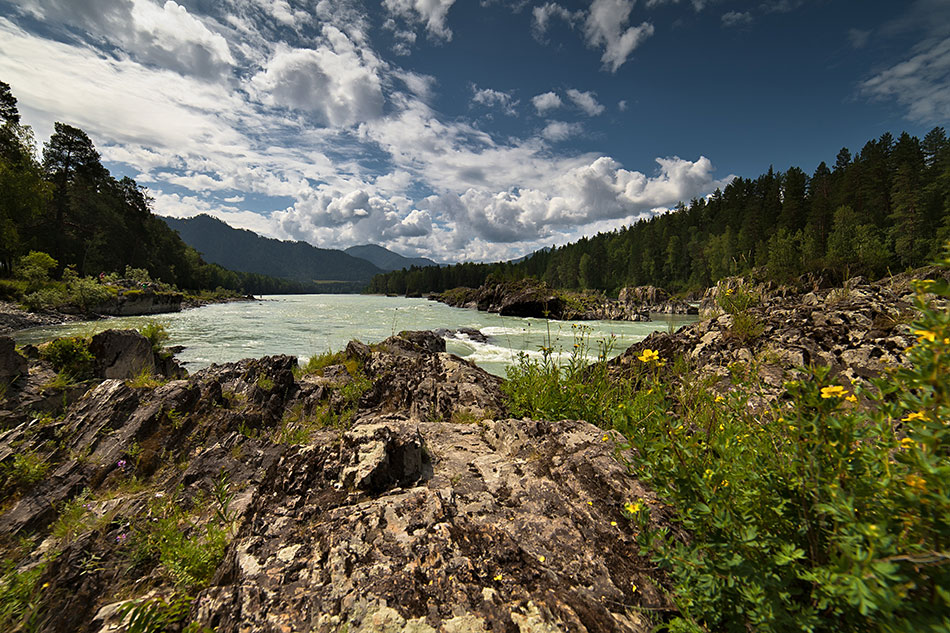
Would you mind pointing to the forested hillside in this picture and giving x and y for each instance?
(66, 204)
(240, 249)
(885, 209)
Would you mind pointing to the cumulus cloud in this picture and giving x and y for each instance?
(601, 190)
(336, 82)
(605, 27)
(432, 13)
(586, 101)
(622, 105)
(920, 83)
(546, 102)
(736, 18)
(561, 131)
(491, 98)
(330, 217)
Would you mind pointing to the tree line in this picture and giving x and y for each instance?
(66, 203)
(886, 209)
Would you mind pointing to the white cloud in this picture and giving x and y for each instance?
(336, 81)
(858, 38)
(432, 13)
(698, 5)
(736, 18)
(586, 101)
(921, 83)
(605, 27)
(622, 105)
(418, 84)
(546, 102)
(490, 98)
(543, 14)
(596, 192)
(561, 131)
(168, 35)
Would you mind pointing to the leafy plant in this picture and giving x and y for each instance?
(20, 595)
(156, 614)
(156, 334)
(69, 356)
(26, 469)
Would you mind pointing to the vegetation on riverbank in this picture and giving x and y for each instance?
(827, 509)
(67, 204)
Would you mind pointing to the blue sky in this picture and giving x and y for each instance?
(467, 129)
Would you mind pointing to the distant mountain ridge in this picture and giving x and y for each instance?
(386, 259)
(243, 250)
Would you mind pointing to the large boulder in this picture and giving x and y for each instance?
(121, 354)
(12, 364)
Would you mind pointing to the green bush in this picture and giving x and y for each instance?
(156, 334)
(35, 268)
(46, 298)
(70, 356)
(548, 388)
(84, 292)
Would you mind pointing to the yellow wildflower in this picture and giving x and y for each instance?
(916, 482)
(925, 335)
(633, 588)
(916, 415)
(833, 391)
(613, 523)
(498, 577)
(590, 503)
(852, 398)
(719, 398)
(606, 437)
(649, 356)
(728, 291)
(633, 508)
(908, 443)
(541, 558)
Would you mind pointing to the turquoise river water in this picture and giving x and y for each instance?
(303, 325)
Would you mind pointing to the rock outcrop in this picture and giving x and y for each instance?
(12, 364)
(859, 330)
(389, 492)
(533, 298)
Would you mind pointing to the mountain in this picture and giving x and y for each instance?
(386, 259)
(243, 250)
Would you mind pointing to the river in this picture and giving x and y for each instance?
(304, 325)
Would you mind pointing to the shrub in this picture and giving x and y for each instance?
(156, 334)
(70, 356)
(35, 268)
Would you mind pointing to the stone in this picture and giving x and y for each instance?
(12, 364)
(121, 354)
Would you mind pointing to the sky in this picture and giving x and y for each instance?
(467, 130)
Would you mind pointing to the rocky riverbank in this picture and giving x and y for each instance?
(533, 298)
(387, 490)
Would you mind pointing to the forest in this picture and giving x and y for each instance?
(66, 204)
(885, 209)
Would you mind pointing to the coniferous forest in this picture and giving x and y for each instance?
(66, 204)
(886, 208)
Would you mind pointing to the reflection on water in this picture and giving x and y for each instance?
(303, 325)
